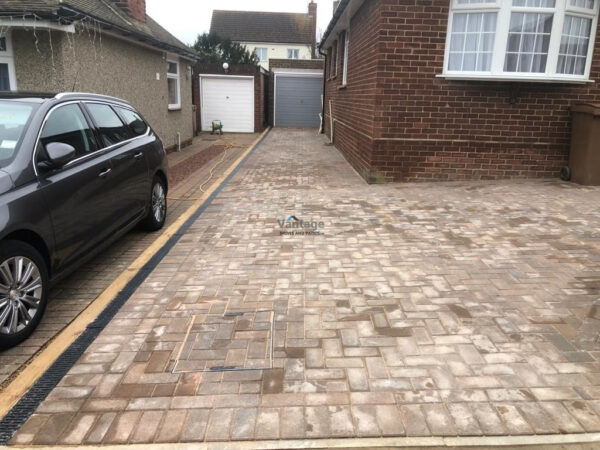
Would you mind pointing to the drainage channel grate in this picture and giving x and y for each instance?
(224, 343)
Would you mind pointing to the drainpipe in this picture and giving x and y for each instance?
(178, 142)
(322, 130)
(331, 123)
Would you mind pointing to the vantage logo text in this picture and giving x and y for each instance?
(292, 226)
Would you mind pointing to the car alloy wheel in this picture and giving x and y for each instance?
(159, 202)
(21, 289)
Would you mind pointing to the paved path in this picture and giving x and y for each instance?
(72, 295)
(421, 310)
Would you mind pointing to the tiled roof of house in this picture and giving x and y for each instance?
(105, 12)
(250, 26)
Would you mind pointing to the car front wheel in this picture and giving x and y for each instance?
(24, 289)
(157, 211)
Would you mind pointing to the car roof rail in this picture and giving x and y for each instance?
(26, 94)
(66, 95)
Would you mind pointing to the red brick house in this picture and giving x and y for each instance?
(458, 89)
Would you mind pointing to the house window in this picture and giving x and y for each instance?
(332, 61)
(293, 53)
(345, 57)
(262, 53)
(174, 85)
(521, 39)
(7, 65)
(335, 58)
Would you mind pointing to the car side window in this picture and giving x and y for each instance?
(134, 121)
(68, 125)
(112, 129)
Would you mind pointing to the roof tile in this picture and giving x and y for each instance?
(251, 26)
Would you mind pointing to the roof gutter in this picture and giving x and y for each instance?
(336, 16)
(139, 36)
(32, 23)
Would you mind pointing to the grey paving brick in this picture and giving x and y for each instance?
(194, 428)
(464, 419)
(414, 420)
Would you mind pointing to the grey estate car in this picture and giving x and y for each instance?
(77, 171)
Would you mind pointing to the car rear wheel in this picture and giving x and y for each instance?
(24, 289)
(157, 211)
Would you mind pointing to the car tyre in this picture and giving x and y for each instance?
(24, 286)
(157, 209)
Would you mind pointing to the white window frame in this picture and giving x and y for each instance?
(177, 78)
(7, 57)
(504, 8)
(346, 53)
(293, 51)
(266, 53)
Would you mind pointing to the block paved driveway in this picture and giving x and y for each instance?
(424, 309)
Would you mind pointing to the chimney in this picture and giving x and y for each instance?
(136, 9)
(312, 12)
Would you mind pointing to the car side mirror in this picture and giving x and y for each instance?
(59, 154)
(138, 127)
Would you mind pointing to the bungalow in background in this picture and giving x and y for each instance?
(458, 89)
(108, 47)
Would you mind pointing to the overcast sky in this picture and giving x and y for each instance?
(188, 18)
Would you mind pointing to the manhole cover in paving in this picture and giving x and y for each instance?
(233, 341)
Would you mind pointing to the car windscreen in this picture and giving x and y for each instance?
(14, 118)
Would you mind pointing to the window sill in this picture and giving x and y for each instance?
(174, 108)
(517, 78)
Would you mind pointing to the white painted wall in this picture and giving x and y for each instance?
(278, 51)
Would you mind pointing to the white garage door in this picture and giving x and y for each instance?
(229, 100)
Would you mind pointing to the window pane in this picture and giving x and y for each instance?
(67, 125)
(13, 123)
(534, 3)
(585, 4)
(528, 41)
(261, 53)
(472, 42)
(574, 45)
(2, 44)
(136, 124)
(4, 78)
(455, 62)
(172, 68)
(173, 91)
(112, 130)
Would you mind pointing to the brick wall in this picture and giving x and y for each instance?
(416, 126)
(260, 84)
(353, 106)
(314, 64)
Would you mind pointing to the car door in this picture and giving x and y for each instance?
(79, 195)
(128, 160)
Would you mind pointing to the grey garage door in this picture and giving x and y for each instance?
(298, 101)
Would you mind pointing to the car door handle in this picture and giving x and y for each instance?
(105, 173)
(138, 155)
